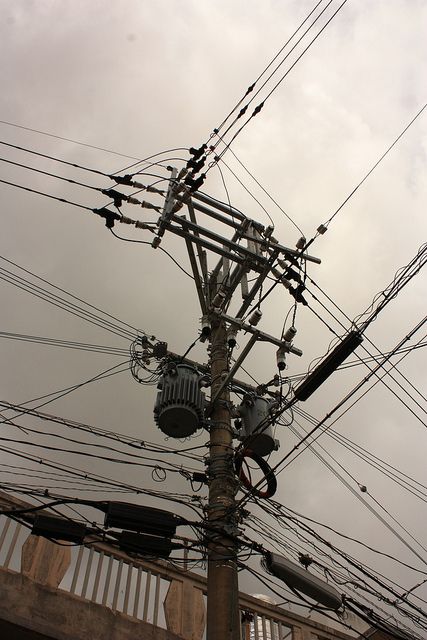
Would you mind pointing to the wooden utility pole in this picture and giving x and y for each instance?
(223, 594)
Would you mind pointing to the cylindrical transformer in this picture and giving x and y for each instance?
(179, 406)
(259, 438)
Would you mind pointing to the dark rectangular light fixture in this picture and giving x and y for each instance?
(304, 581)
(59, 529)
(328, 365)
(123, 515)
(145, 545)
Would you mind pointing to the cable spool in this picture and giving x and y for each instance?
(179, 406)
(269, 476)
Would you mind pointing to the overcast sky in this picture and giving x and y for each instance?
(138, 77)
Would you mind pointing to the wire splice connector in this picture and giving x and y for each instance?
(109, 216)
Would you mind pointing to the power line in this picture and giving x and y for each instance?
(260, 106)
(82, 144)
(158, 248)
(252, 86)
(256, 111)
(55, 159)
(46, 195)
(63, 392)
(184, 499)
(68, 344)
(109, 322)
(366, 176)
(51, 175)
(132, 442)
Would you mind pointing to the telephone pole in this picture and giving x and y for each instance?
(180, 407)
(223, 606)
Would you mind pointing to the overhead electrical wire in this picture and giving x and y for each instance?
(252, 86)
(380, 159)
(260, 106)
(267, 193)
(111, 371)
(68, 344)
(324, 226)
(132, 442)
(372, 357)
(350, 364)
(109, 322)
(184, 499)
(359, 497)
(51, 175)
(243, 111)
(366, 572)
(402, 278)
(90, 169)
(53, 158)
(315, 428)
(388, 372)
(327, 566)
(46, 195)
(158, 249)
(85, 144)
(167, 467)
(406, 482)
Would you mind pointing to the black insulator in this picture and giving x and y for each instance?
(293, 275)
(195, 183)
(109, 216)
(196, 166)
(297, 294)
(328, 365)
(115, 195)
(197, 152)
(127, 179)
(250, 89)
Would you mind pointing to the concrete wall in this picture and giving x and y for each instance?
(61, 616)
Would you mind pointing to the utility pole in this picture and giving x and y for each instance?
(223, 607)
(180, 407)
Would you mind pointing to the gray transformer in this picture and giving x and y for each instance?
(180, 404)
(253, 411)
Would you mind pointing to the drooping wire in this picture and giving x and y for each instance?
(158, 248)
